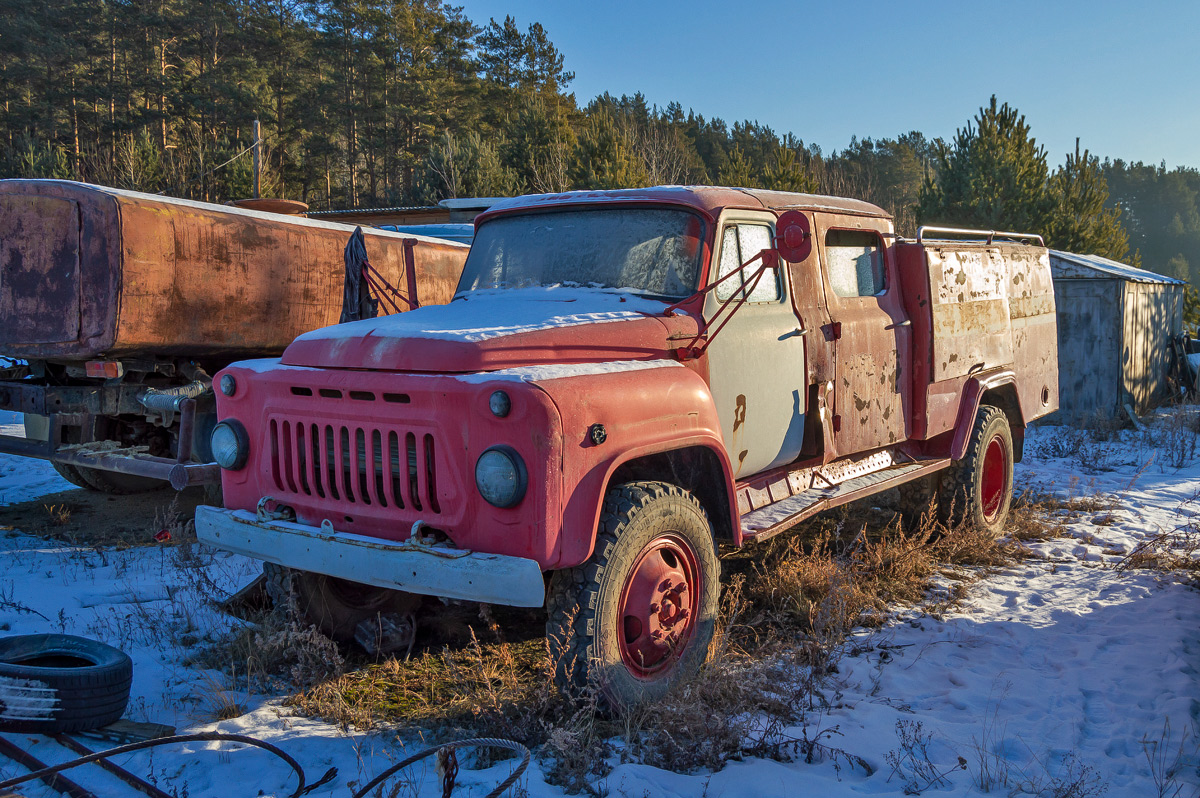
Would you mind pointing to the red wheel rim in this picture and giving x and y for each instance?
(658, 606)
(994, 481)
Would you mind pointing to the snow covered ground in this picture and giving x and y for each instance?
(1050, 674)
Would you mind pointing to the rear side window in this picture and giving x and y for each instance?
(740, 243)
(855, 262)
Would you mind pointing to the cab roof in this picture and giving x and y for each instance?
(709, 200)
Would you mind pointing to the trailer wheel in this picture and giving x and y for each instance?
(978, 488)
(106, 428)
(37, 428)
(335, 606)
(117, 483)
(55, 683)
(71, 474)
(637, 618)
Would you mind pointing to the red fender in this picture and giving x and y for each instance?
(972, 397)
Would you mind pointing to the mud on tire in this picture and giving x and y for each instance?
(621, 623)
(54, 683)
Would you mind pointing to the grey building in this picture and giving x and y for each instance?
(1116, 324)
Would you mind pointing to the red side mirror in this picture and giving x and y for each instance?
(793, 236)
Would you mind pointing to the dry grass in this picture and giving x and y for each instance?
(788, 608)
(59, 514)
(277, 651)
(1176, 552)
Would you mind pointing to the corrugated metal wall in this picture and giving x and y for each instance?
(1089, 348)
(1153, 314)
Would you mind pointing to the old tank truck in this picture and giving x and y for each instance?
(122, 305)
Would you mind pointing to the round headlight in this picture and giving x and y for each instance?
(230, 444)
(228, 385)
(500, 404)
(501, 477)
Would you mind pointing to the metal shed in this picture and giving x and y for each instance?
(1116, 324)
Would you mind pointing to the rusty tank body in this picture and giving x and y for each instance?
(111, 296)
(91, 272)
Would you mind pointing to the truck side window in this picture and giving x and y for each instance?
(855, 262)
(740, 243)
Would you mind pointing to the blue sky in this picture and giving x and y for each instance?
(1124, 77)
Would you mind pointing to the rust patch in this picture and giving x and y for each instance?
(39, 270)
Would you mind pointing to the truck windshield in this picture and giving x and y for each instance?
(650, 251)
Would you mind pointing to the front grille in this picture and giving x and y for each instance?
(365, 465)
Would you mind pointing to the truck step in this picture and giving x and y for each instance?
(780, 516)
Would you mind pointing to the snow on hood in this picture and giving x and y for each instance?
(559, 371)
(491, 330)
(480, 315)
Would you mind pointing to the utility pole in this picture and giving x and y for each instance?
(257, 156)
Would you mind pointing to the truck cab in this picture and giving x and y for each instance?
(623, 381)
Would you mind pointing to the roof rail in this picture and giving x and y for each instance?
(987, 235)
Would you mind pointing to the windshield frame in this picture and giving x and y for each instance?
(702, 256)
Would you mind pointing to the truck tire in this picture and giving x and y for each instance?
(55, 683)
(916, 496)
(37, 428)
(335, 606)
(978, 488)
(71, 474)
(637, 618)
(116, 483)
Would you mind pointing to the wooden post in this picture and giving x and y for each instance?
(257, 156)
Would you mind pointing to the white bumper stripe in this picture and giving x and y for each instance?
(490, 578)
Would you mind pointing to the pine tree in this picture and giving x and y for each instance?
(993, 176)
(787, 173)
(1080, 221)
(604, 157)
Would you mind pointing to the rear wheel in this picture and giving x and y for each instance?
(978, 488)
(637, 618)
(335, 606)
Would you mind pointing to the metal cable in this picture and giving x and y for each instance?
(301, 788)
(475, 742)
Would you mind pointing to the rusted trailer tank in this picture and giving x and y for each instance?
(123, 303)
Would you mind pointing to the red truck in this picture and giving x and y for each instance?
(623, 381)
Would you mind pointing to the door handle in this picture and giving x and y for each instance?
(905, 323)
(799, 331)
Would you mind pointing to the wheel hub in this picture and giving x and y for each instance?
(657, 606)
(994, 479)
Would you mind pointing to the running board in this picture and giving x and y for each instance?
(774, 518)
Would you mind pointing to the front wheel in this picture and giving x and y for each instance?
(637, 618)
(978, 488)
(335, 606)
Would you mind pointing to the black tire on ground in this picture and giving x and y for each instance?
(71, 474)
(37, 428)
(619, 623)
(916, 499)
(54, 683)
(335, 606)
(117, 483)
(978, 488)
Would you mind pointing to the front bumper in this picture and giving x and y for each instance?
(415, 568)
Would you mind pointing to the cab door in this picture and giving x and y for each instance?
(872, 335)
(756, 367)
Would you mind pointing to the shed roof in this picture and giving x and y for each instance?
(1070, 265)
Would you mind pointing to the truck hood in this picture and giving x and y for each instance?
(490, 330)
